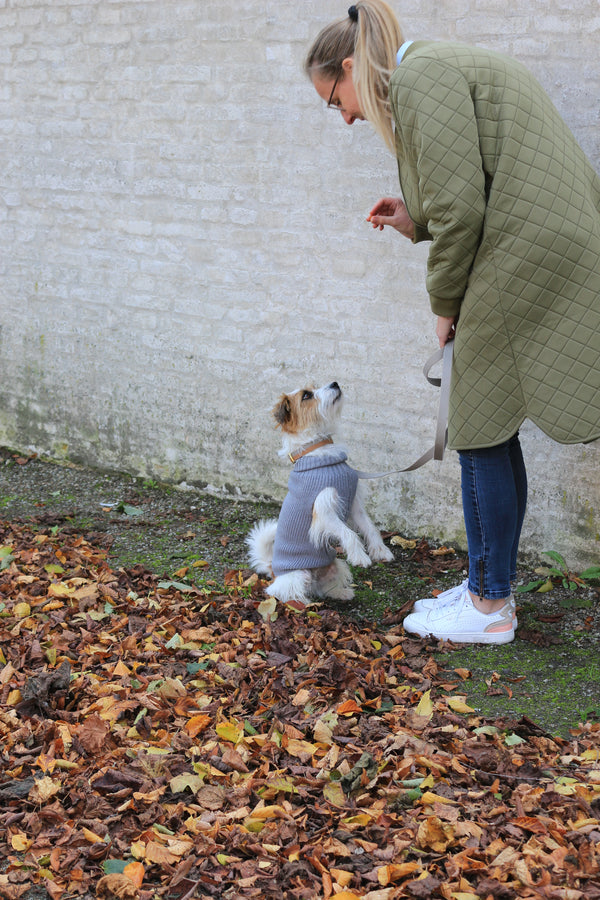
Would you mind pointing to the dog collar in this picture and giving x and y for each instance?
(294, 457)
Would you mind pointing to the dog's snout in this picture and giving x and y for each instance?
(338, 391)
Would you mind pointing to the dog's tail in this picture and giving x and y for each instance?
(260, 544)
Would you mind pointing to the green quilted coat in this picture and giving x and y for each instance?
(494, 178)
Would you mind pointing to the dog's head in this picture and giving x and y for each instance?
(308, 411)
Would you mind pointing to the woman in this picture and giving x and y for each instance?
(492, 176)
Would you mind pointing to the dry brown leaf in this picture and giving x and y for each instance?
(116, 887)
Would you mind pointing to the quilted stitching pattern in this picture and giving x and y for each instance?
(512, 206)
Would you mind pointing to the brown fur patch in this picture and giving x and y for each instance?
(296, 412)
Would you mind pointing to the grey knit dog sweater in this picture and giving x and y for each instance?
(311, 474)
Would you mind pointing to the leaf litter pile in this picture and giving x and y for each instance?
(167, 741)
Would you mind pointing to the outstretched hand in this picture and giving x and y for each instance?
(392, 211)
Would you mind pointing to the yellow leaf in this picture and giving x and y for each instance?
(22, 610)
(342, 877)
(464, 895)
(334, 793)
(429, 798)
(547, 586)
(268, 812)
(433, 834)
(58, 589)
(121, 670)
(457, 704)
(91, 837)
(185, 781)
(347, 895)
(253, 825)
(302, 749)
(20, 841)
(591, 754)
(14, 697)
(138, 850)
(230, 731)
(386, 874)
(52, 605)
(567, 790)
(359, 819)
(425, 707)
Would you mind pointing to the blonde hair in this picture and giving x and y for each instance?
(371, 35)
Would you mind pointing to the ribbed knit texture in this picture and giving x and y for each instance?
(311, 474)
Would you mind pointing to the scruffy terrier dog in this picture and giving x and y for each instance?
(322, 505)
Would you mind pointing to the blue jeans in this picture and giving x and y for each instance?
(494, 494)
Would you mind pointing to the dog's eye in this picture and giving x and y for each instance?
(307, 395)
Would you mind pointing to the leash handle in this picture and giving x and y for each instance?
(445, 353)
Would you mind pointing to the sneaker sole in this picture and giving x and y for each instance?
(419, 606)
(479, 637)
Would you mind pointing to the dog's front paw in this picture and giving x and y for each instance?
(359, 558)
(381, 554)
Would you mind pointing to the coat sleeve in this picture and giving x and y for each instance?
(437, 128)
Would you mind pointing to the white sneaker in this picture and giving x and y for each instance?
(448, 596)
(428, 603)
(460, 621)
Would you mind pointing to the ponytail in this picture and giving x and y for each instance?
(371, 35)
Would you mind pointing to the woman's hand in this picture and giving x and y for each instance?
(445, 329)
(392, 211)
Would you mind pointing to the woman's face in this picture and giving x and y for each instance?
(340, 94)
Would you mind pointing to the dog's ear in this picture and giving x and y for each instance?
(282, 410)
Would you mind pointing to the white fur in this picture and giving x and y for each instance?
(327, 527)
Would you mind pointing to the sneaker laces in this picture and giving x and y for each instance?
(453, 601)
(452, 593)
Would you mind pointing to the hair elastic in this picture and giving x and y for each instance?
(353, 13)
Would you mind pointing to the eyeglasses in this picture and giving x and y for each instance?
(330, 104)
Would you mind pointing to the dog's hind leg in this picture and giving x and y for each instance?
(260, 545)
(292, 587)
(327, 527)
(333, 581)
(360, 518)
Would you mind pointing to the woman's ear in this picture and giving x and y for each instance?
(348, 64)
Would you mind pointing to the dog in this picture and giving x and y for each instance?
(322, 508)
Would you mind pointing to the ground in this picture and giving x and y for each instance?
(550, 673)
(168, 732)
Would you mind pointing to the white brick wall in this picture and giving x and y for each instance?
(183, 238)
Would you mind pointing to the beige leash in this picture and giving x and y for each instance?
(441, 432)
